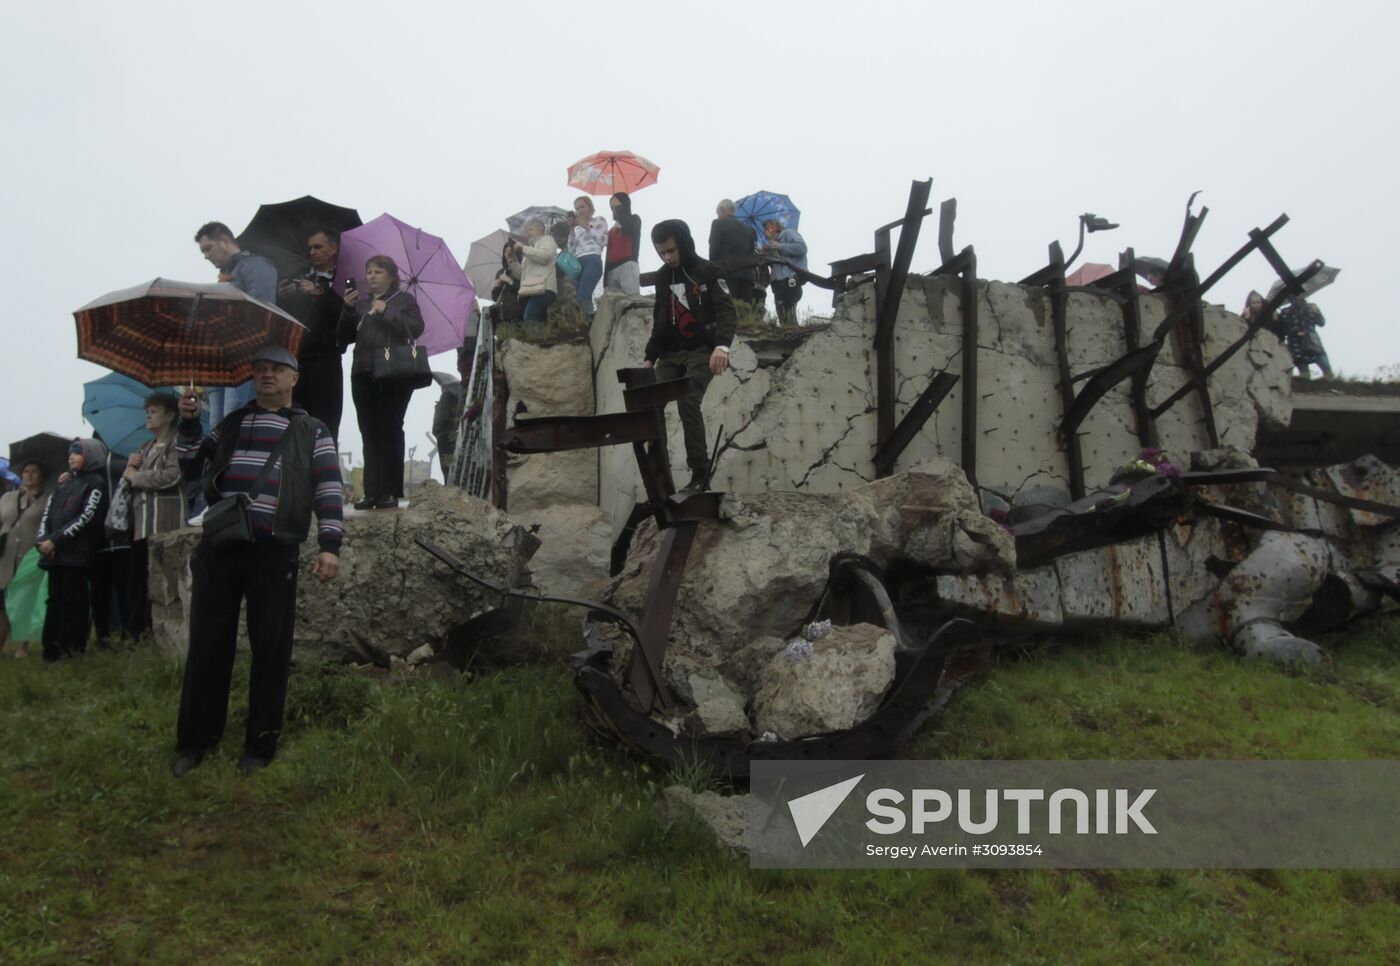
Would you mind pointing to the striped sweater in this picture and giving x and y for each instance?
(258, 431)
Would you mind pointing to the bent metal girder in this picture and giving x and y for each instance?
(854, 590)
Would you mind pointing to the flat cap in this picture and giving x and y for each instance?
(277, 354)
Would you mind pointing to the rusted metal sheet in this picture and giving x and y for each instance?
(1102, 519)
(656, 395)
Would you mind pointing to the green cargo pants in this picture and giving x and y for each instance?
(695, 366)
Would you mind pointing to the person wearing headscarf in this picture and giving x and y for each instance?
(70, 534)
(693, 322)
(622, 272)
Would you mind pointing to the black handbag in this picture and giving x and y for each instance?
(229, 522)
(402, 365)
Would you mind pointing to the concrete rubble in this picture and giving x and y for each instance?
(726, 817)
(390, 600)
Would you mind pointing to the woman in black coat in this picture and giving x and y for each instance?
(388, 316)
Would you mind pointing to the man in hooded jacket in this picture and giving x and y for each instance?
(692, 325)
(622, 272)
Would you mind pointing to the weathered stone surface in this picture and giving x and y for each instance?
(726, 816)
(1272, 586)
(1028, 598)
(575, 547)
(826, 685)
(719, 708)
(722, 718)
(1367, 479)
(390, 599)
(1121, 584)
(756, 573)
(552, 380)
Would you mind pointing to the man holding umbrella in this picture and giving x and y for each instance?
(265, 468)
(321, 386)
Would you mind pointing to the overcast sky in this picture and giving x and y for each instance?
(129, 125)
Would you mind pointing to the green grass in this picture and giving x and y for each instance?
(424, 821)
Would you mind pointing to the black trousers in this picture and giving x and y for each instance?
(380, 409)
(320, 390)
(265, 575)
(138, 593)
(110, 588)
(743, 289)
(68, 618)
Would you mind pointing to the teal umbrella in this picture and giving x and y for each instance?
(115, 406)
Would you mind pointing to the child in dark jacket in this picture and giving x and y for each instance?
(70, 533)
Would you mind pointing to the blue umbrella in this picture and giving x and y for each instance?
(115, 405)
(763, 206)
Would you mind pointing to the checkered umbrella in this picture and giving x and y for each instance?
(168, 333)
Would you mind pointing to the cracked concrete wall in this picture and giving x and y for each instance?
(809, 424)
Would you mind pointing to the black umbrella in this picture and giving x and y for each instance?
(48, 449)
(278, 232)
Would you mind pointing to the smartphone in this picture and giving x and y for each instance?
(349, 285)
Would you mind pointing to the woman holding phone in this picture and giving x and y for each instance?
(387, 316)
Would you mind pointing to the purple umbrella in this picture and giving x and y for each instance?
(427, 271)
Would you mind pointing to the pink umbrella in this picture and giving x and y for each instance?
(609, 172)
(427, 271)
(1088, 272)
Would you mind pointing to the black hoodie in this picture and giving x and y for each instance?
(625, 238)
(693, 309)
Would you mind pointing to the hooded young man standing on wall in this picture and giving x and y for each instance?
(692, 325)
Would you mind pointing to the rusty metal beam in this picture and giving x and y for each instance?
(890, 277)
(1239, 343)
(889, 451)
(644, 670)
(1266, 475)
(550, 434)
(890, 295)
(1073, 450)
(947, 218)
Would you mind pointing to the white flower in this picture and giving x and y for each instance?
(817, 630)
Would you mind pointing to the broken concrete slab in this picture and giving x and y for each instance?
(833, 683)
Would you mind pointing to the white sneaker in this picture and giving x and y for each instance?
(197, 520)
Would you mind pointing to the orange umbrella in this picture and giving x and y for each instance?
(609, 172)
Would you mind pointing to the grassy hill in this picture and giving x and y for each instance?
(474, 819)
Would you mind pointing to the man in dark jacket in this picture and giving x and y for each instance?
(730, 241)
(320, 390)
(70, 533)
(252, 275)
(621, 272)
(692, 325)
(263, 571)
